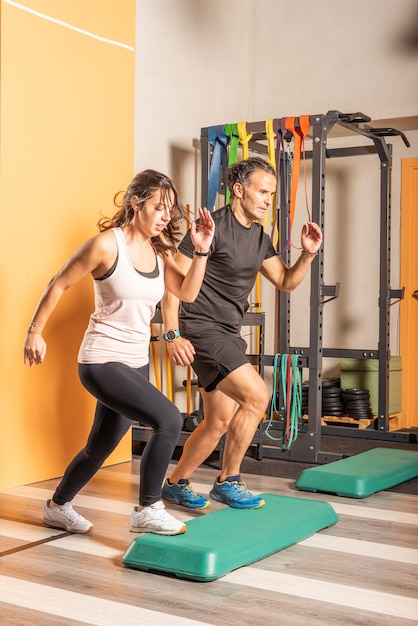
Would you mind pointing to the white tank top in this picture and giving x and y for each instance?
(125, 301)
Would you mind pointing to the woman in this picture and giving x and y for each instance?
(131, 262)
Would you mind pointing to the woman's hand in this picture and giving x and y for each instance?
(202, 237)
(34, 349)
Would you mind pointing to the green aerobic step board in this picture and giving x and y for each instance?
(217, 543)
(363, 474)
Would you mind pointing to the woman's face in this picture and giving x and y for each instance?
(155, 213)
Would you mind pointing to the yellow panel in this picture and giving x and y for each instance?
(67, 132)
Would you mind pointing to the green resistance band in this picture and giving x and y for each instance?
(288, 374)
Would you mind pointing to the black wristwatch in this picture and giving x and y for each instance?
(171, 335)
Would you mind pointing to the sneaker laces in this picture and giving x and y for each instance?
(156, 506)
(188, 489)
(240, 485)
(70, 513)
(160, 512)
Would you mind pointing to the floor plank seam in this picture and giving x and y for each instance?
(34, 544)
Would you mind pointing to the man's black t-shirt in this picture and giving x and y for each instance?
(235, 258)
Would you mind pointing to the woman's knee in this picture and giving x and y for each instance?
(173, 421)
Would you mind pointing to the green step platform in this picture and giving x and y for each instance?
(217, 543)
(363, 474)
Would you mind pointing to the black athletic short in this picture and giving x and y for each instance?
(218, 353)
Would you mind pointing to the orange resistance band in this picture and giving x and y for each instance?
(299, 133)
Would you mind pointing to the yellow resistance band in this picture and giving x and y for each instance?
(271, 157)
(169, 376)
(155, 362)
(244, 138)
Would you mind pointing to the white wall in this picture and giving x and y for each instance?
(201, 63)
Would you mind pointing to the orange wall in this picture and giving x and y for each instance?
(67, 133)
(409, 304)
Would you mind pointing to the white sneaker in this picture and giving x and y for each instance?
(63, 516)
(155, 519)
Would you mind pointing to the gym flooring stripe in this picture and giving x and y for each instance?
(325, 591)
(86, 609)
(375, 514)
(362, 548)
(92, 610)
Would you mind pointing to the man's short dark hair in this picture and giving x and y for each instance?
(241, 171)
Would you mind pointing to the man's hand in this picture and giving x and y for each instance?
(311, 237)
(181, 351)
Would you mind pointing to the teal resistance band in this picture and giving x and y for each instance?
(288, 374)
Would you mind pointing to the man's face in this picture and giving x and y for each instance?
(256, 196)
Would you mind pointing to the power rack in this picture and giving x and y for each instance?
(308, 445)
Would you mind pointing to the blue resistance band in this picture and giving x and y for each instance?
(219, 141)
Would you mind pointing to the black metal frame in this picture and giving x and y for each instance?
(308, 445)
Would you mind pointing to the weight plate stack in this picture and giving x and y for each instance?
(305, 397)
(357, 403)
(332, 404)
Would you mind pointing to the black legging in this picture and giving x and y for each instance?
(123, 395)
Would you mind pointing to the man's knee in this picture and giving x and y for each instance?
(257, 398)
(216, 423)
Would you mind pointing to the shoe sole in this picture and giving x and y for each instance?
(75, 532)
(215, 496)
(135, 529)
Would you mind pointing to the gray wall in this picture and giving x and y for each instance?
(201, 63)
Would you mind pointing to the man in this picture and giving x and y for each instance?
(234, 395)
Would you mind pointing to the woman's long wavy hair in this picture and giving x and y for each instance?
(144, 185)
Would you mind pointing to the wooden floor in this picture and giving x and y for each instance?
(361, 571)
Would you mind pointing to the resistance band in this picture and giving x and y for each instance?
(231, 131)
(287, 374)
(299, 133)
(219, 141)
(155, 361)
(271, 157)
(188, 388)
(271, 149)
(169, 377)
(244, 138)
(278, 130)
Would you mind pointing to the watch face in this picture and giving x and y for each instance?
(171, 335)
